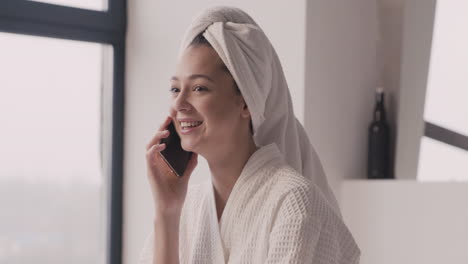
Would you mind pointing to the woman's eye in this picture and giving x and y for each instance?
(199, 89)
(174, 90)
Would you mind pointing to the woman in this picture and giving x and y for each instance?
(268, 200)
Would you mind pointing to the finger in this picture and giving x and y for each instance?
(166, 122)
(152, 151)
(164, 167)
(157, 137)
(192, 164)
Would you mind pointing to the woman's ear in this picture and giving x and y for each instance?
(245, 112)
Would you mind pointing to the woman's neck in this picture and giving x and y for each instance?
(226, 169)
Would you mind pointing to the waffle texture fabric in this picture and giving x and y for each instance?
(273, 215)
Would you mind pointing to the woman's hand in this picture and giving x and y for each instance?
(168, 189)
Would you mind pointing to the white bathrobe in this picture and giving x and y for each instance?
(273, 215)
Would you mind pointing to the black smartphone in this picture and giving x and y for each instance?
(176, 157)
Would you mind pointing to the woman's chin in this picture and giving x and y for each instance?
(187, 146)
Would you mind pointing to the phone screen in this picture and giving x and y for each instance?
(173, 154)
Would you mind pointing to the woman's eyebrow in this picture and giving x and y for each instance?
(194, 76)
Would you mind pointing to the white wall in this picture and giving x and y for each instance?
(407, 221)
(351, 47)
(416, 49)
(340, 83)
(154, 31)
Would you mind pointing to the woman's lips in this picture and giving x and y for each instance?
(189, 130)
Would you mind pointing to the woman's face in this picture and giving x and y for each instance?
(208, 112)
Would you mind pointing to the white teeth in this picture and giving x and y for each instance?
(190, 124)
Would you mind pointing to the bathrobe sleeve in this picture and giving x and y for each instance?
(306, 230)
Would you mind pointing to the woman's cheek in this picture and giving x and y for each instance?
(172, 113)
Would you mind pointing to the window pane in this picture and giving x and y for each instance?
(441, 162)
(53, 192)
(100, 5)
(447, 89)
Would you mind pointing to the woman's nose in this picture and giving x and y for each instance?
(180, 103)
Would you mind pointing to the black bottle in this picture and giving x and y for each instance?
(378, 145)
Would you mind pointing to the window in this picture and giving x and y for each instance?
(444, 147)
(61, 116)
(100, 5)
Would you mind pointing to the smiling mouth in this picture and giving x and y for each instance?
(186, 125)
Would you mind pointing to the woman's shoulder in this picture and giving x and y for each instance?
(288, 177)
(286, 180)
(305, 212)
(299, 195)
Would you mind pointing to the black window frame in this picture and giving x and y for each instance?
(445, 135)
(106, 27)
